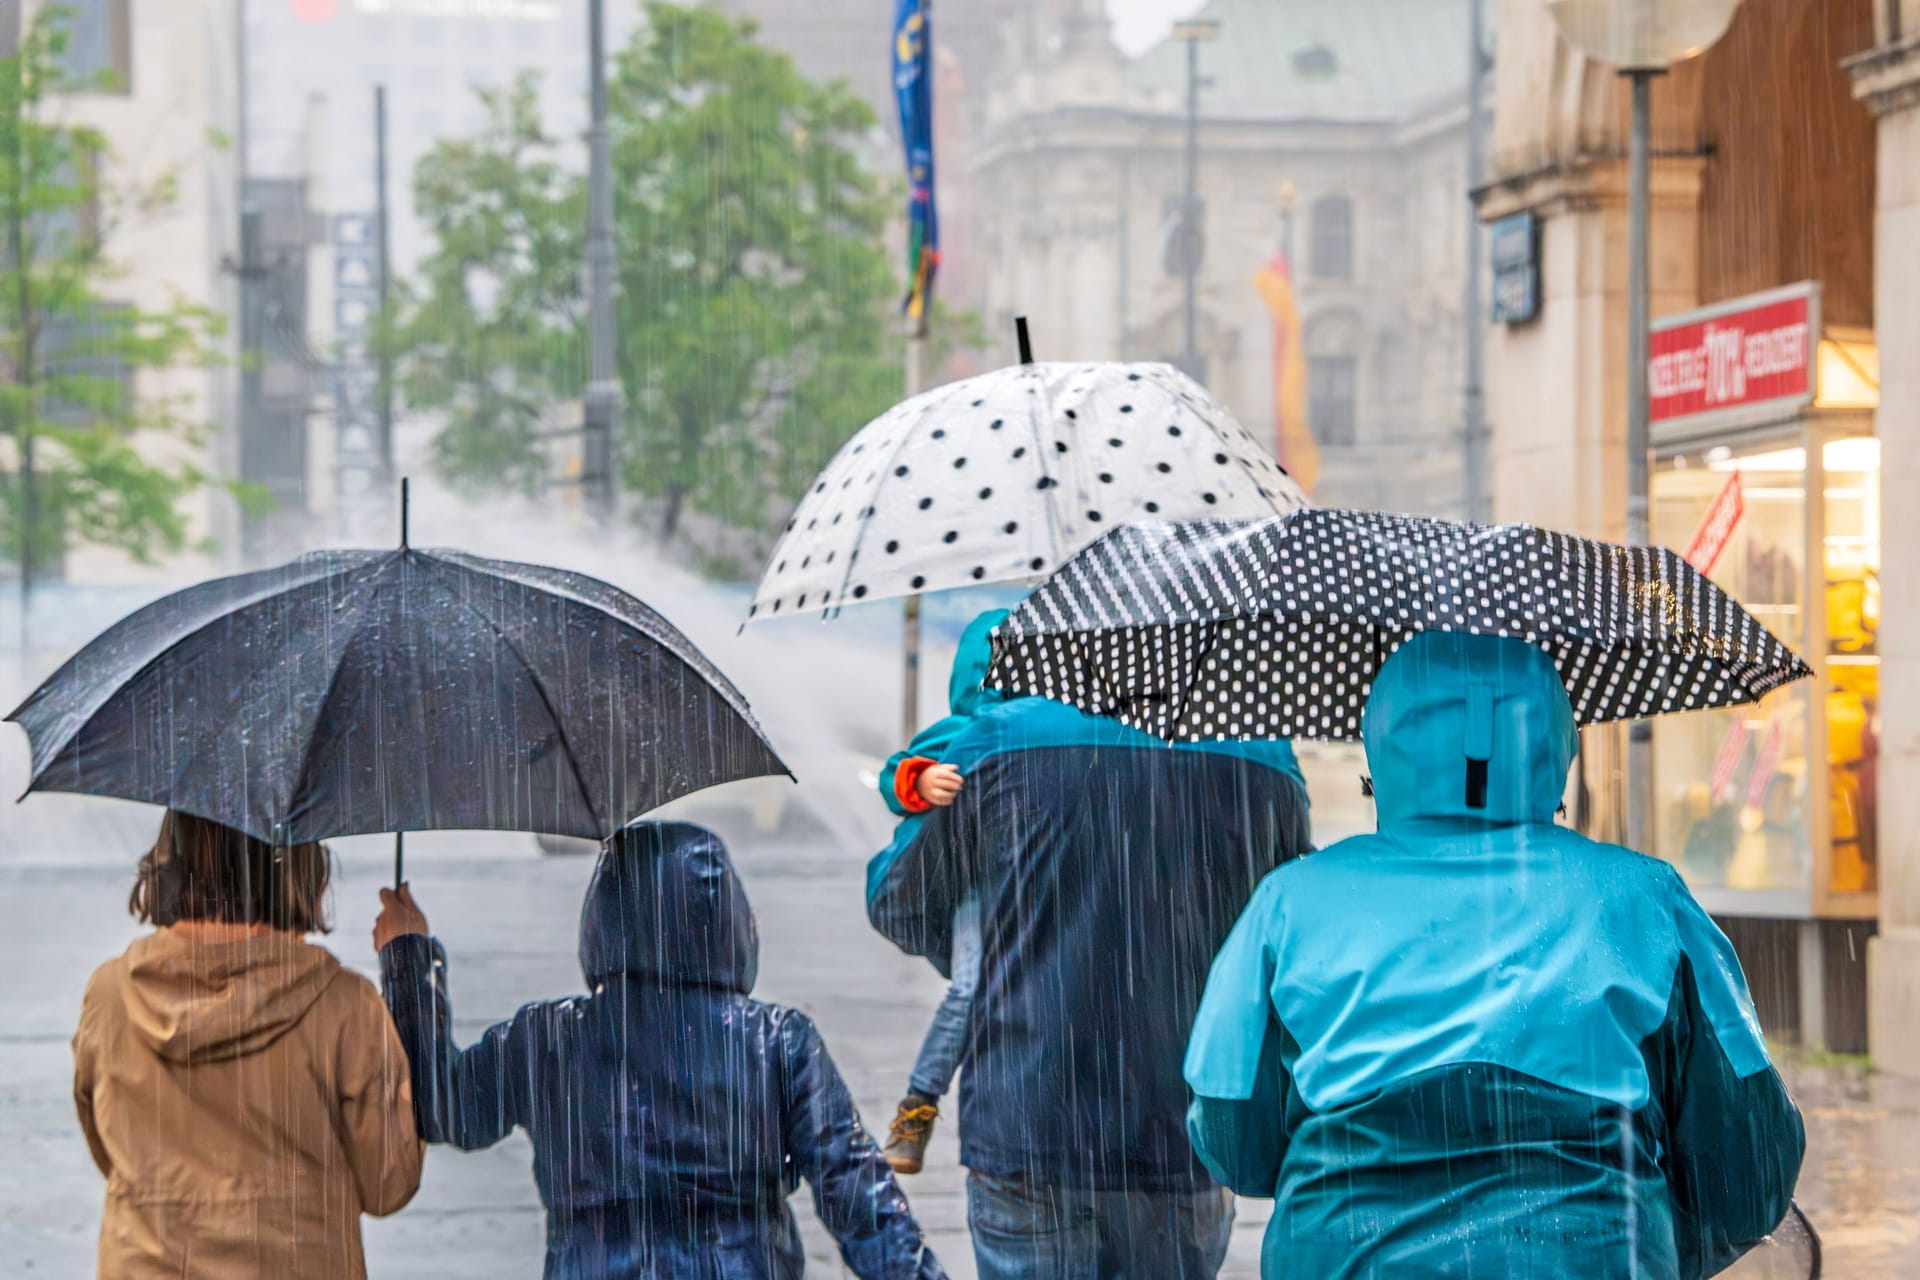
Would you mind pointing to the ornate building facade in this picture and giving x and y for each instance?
(1333, 129)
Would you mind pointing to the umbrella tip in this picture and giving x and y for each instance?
(1026, 342)
(404, 484)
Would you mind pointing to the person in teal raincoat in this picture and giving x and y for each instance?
(1476, 1044)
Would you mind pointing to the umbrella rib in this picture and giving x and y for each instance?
(873, 494)
(1057, 549)
(153, 660)
(320, 709)
(1238, 457)
(539, 685)
(240, 686)
(652, 624)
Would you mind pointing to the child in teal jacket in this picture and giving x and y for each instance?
(914, 782)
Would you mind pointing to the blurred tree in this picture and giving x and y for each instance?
(491, 332)
(69, 354)
(755, 299)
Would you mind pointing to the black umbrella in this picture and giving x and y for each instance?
(1275, 628)
(406, 690)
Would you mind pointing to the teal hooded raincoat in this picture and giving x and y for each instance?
(1476, 1044)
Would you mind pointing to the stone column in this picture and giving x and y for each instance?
(1556, 387)
(1887, 79)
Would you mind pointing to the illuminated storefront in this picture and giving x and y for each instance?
(1768, 480)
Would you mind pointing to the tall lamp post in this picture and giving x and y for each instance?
(600, 406)
(1641, 39)
(1191, 242)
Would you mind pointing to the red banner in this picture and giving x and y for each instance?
(1717, 526)
(1733, 357)
(1763, 766)
(1730, 752)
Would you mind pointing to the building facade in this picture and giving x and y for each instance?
(163, 91)
(1333, 130)
(1776, 305)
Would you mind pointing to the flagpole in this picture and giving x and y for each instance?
(912, 66)
(916, 345)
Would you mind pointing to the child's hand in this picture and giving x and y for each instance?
(938, 784)
(400, 915)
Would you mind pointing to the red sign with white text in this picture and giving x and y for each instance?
(1733, 358)
(1716, 527)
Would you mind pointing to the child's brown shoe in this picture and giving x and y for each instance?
(907, 1136)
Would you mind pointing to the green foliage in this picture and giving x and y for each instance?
(491, 333)
(68, 353)
(755, 304)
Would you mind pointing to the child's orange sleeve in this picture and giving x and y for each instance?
(906, 779)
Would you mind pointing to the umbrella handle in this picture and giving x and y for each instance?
(399, 859)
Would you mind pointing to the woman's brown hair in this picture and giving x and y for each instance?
(201, 870)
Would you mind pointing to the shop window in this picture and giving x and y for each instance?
(1331, 244)
(1852, 583)
(98, 53)
(1332, 386)
(1742, 794)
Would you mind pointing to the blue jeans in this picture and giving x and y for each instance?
(947, 1038)
(1029, 1231)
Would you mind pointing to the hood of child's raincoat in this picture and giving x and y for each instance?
(666, 906)
(1468, 727)
(970, 662)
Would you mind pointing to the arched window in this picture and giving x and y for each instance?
(1331, 244)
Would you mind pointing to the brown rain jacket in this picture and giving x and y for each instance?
(247, 1100)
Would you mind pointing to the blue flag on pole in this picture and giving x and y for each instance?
(913, 86)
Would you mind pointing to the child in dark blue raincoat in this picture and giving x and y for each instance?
(914, 782)
(671, 1113)
(1477, 1044)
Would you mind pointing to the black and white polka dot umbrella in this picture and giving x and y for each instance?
(1004, 476)
(1275, 628)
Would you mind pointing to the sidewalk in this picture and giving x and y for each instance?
(508, 918)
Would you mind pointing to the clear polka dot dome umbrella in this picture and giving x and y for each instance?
(1004, 476)
(1275, 628)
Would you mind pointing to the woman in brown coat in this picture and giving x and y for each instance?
(245, 1096)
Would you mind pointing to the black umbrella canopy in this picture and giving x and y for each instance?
(362, 691)
(1275, 628)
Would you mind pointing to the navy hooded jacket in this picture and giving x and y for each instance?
(1110, 866)
(1477, 1044)
(671, 1114)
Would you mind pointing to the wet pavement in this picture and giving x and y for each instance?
(508, 916)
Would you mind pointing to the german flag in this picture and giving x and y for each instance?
(1293, 442)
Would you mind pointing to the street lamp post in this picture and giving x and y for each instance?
(1287, 197)
(1194, 33)
(1475, 492)
(600, 406)
(1642, 39)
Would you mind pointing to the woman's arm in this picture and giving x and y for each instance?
(1737, 1140)
(376, 1106)
(854, 1190)
(83, 1078)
